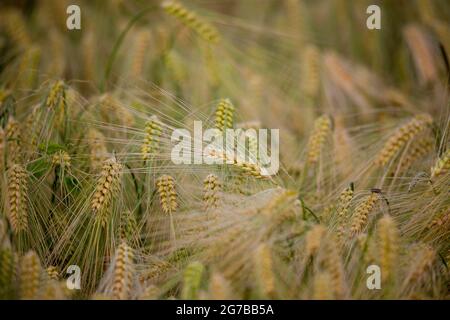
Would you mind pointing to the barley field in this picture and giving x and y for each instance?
(93, 205)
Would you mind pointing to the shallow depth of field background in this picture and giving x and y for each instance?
(86, 118)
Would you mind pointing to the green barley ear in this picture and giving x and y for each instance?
(362, 212)
(442, 165)
(320, 133)
(388, 247)
(211, 189)
(263, 263)
(151, 143)
(30, 272)
(7, 265)
(123, 272)
(191, 20)
(107, 186)
(167, 193)
(17, 198)
(128, 226)
(56, 96)
(224, 115)
(192, 278)
(401, 137)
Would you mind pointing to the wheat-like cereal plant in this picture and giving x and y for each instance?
(224, 115)
(322, 129)
(107, 186)
(357, 124)
(401, 137)
(192, 277)
(123, 272)
(167, 193)
(211, 187)
(388, 246)
(362, 212)
(264, 273)
(442, 165)
(17, 198)
(153, 132)
(190, 19)
(219, 287)
(30, 273)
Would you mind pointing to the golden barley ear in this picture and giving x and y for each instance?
(362, 211)
(224, 115)
(191, 20)
(401, 137)
(167, 193)
(29, 276)
(211, 189)
(151, 143)
(264, 273)
(107, 186)
(420, 149)
(192, 278)
(123, 272)
(387, 247)
(320, 134)
(17, 189)
(442, 165)
(342, 212)
(314, 239)
(13, 139)
(332, 262)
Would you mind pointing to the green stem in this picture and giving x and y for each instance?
(119, 41)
